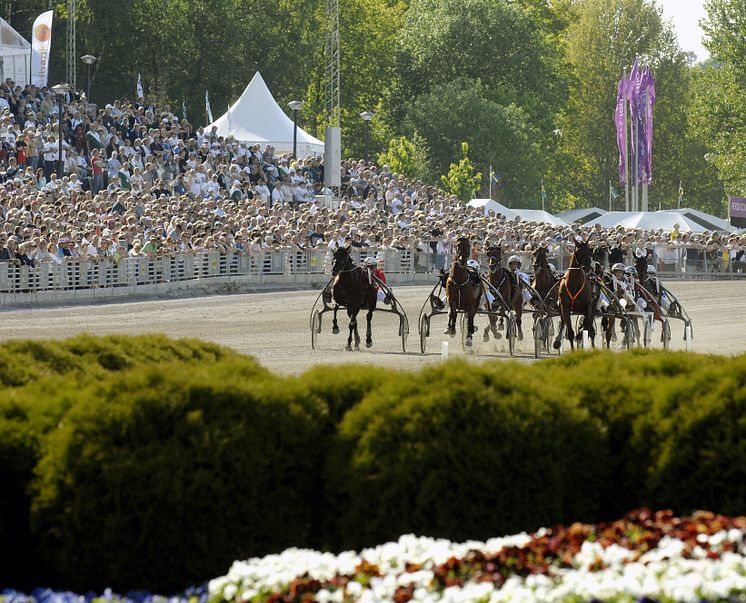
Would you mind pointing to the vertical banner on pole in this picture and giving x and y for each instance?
(41, 42)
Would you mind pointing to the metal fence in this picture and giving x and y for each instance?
(95, 273)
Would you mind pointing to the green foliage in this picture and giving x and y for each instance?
(152, 463)
(461, 179)
(463, 451)
(407, 156)
(175, 471)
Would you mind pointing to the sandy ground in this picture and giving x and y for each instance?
(274, 327)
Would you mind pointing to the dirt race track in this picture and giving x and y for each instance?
(274, 327)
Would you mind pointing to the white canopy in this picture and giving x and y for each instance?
(539, 215)
(706, 220)
(488, 205)
(663, 220)
(14, 55)
(582, 214)
(257, 118)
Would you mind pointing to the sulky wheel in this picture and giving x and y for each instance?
(665, 334)
(315, 327)
(538, 336)
(510, 332)
(403, 332)
(424, 331)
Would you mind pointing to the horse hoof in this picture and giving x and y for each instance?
(368, 344)
(520, 335)
(335, 330)
(468, 342)
(557, 345)
(357, 347)
(486, 336)
(348, 348)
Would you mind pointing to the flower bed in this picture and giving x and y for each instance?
(45, 595)
(644, 556)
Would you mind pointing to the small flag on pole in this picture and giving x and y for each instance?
(613, 193)
(543, 194)
(208, 109)
(494, 177)
(140, 91)
(183, 109)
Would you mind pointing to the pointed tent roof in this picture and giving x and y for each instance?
(11, 42)
(257, 118)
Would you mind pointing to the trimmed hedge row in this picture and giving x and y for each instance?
(159, 475)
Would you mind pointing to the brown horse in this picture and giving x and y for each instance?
(508, 286)
(462, 292)
(351, 289)
(544, 279)
(576, 296)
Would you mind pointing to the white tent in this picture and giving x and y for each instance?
(257, 118)
(15, 54)
(706, 220)
(582, 214)
(658, 220)
(539, 215)
(488, 205)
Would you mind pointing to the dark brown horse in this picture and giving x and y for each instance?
(576, 295)
(462, 292)
(351, 289)
(544, 280)
(508, 286)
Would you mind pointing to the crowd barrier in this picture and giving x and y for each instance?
(285, 267)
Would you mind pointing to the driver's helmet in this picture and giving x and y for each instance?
(514, 259)
(552, 268)
(631, 270)
(651, 269)
(618, 266)
(370, 262)
(473, 264)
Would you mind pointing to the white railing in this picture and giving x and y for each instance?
(283, 265)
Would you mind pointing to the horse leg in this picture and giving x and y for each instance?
(557, 343)
(368, 330)
(570, 331)
(451, 328)
(335, 326)
(518, 317)
(470, 329)
(589, 326)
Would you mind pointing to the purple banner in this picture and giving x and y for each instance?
(737, 207)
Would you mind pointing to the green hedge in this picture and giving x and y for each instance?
(153, 463)
(39, 382)
(175, 471)
(464, 452)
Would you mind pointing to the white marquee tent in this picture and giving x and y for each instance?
(582, 215)
(488, 205)
(257, 118)
(15, 53)
(539, 215)
(652, 220)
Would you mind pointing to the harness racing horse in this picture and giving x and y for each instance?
(576, 296)
(508, 286)
(544, 280)
(351, 289)
(461, 291)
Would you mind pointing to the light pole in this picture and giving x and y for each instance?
(60, 90)
(295, 106)
(89, 60)
(367, 116)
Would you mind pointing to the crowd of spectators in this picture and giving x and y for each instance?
(138, 181)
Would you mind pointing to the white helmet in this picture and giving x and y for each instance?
(631, 270)
(617, 266)
(473, 264)
(514, 259)
(651, 269)
(639, 253)
(370, 262)
(552, 267)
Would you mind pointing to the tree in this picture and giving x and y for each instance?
(461, 179)
(407, 156)
(604, 39)
(500, 136)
